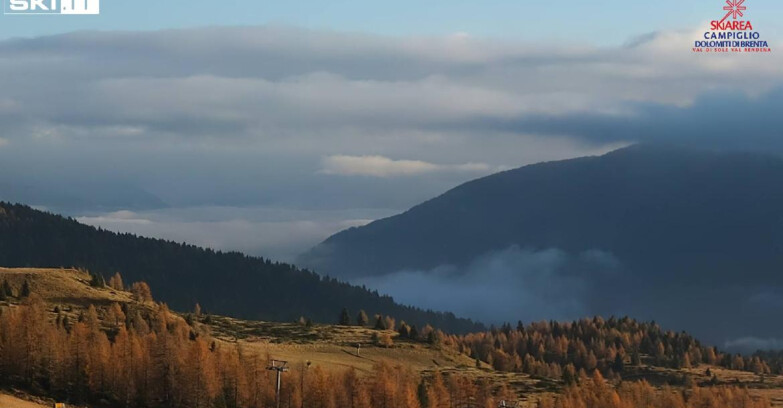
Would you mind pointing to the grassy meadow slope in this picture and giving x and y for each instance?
(13, 401)
(66, 286)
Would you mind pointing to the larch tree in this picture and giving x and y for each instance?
(361, 319)
(384, 389)
(141, 292)
(199, 375)
(116, 316)
(356, 394)
(438, 394)
(319, 393)
(115, 282)
(389, 322)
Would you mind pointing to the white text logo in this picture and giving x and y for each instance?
(52, 6)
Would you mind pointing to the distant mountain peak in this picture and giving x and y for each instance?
(681, 223)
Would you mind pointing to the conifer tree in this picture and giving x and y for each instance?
(345, 318)
(361, 319)
(7, 288)
(380, 323)
(636, 359)
(116, 315)
(569, 375)
(25, 292)
(355, 394)
(383, 340)
(141, 292)
(421, 391)
(404, 330)
(97, 281)
(389, 323)
(438, 394)
(619, 363)
(686, 361)
(414, 333)
(435, 337)
(115, 282)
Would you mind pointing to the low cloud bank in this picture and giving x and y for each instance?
(279, 234)
(504, 286)
(751, 344)
(380, 166)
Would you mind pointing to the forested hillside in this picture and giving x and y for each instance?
(182, 275)
(561, 349)
(109, 347)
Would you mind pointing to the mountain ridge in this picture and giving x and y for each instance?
(690, 226)
(495, 184)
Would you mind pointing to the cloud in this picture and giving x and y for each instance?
(117, 218)
(253, 117)
(713, 120)
(263, 85)
(752, 344)
(379, 166)
(275, 233)
(3, 142)
(504, 286)
(767, 299)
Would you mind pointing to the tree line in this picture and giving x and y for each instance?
(594, 392)
(560, 349)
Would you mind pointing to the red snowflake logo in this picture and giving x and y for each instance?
(734, 8)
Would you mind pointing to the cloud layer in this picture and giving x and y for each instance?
(255, 231)
(379, 166)
(504, 286)
(323, 93)
(280, 117)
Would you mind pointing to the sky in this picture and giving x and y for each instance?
(603, 22)
(266, 127)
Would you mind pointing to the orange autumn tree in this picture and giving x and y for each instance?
(115, 282)
(141, 292)
(596, 393)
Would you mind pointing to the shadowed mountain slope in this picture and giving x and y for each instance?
(683, 230)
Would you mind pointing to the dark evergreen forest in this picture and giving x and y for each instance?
(228, 283)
